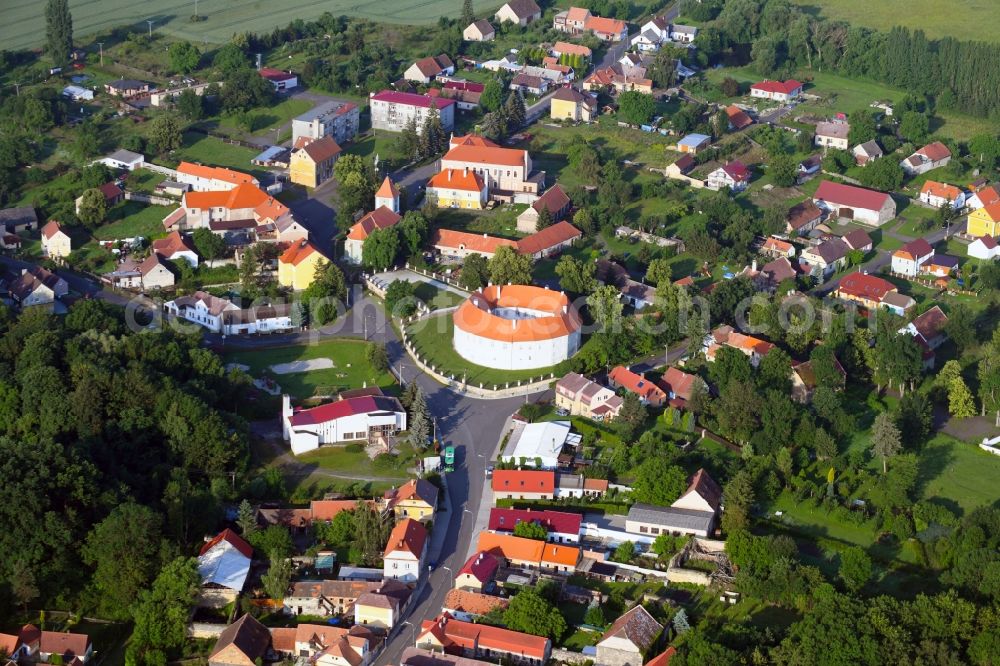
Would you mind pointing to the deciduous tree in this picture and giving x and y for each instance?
(93, 208)
(530, 613)
(507, 266)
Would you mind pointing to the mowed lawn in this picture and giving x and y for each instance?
(214, 152)
(352, 368)
(962, 19)
(24, 24)
(959, 471)
(131, 219)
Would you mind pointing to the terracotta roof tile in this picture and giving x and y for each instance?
(476, 315)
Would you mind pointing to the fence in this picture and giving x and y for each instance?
(150, 199)
(989, 445)
(162, 170)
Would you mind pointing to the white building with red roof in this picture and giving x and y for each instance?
(175, 247)
(477, 573)
(380, 218)
(734, 175)
(453, 636)
(224, 564)
(507, 172)
(392, 111)
(780, 91)
(855, 203)
(204, 178)
(405, 551)
(931, 156)
(984, 247)
(517, 327)
(281, 80)
(560, 526)
(369, 418)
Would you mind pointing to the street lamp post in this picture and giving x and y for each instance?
(100, 45)
(150, 22)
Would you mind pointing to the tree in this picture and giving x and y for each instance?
(740, 496)
(985, 149)
(961, 404)
(515, 111)
(492, 96)
(377, 357)
(855, 569)
(22, 584)
(245, 89)
(507, 266)
(529, 529)
(680, 622)
(631, 417)
(636, 108)
(730, 87)
(230, 59)
(273, 540)
(658, 481)
(961, 327)
(326, 296)
(606, 309)
(58, 31)
(594, 616)
(884, 174)
(420, 421)
(475, 272)
(190, 105)
(575, 276)
(863, 127)
(380, 249)
(824, 444)
(544, 219)
(399, 299)
(371, 532)
(885, 439)
(93, 208)
(122, 549)
(165, 133)
(184, 57)
(246, 518)
(209, 245)
(530, 613)
(161, 615)
(413, 231)
(468, 16)
(624, 552)
(914, 127)
(279, 574)
(784, 170)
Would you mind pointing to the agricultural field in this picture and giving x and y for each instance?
(936, 18)
(24, 25)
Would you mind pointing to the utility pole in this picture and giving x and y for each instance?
(17, 88)
(196, 8)
(150, 22)
(101, 46)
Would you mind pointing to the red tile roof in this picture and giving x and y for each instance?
(456, 635)
(935, 151)
(69, 646)
(478, 152)
(931, 323)
(706, 487)
(276, 75)
(387, 190)
(864, 286)
(547, 238)
(342, 408)
(215, 173)
(231, 537)
(738, 117)
(328, 509)
(914, 250)
(412, 99)
(407, 536)
(554, 198)
(110, 191)
(941, 190)
(476, 315)
(51, 229)
(172, 244)
(680, 382)
(663, 659)
(473, 603)
(604, 25)
(638, 384)
(245, 195)
(504, 520)
(481, 243)
(380, 218)
(320, 150)
(850, 196)
(524, 480)
(481, 566)
(457, 179)
(786, 87)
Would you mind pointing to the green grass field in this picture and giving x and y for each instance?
(351, 458)
(962, 19)
(24, 25)
(352, 369)
(216, 152)
(132, 219)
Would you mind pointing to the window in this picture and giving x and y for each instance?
(643, 529)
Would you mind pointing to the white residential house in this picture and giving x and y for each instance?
(683, 34)
(37, 286)
(519, 12)
(479, 31)
(832, 134)
(406, 551)
(938, 194)
(931, 156)
(123, 159)
(908, 259)
(55, 242)
(984, 247)
(201, 308)
(370, 418)
(733, 175)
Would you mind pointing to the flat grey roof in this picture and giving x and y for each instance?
(323, 109)
(666, 516)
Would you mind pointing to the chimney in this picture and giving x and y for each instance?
(753, 266)
(449, 175)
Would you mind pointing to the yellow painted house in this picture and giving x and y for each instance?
(985, 221)
(416, 499)
(312, 161)
(571, 104)
(297, 265)
(382, 607)
(458, 188)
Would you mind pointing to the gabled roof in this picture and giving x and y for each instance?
(831, 250)
(477, 150)
(110, 191)
(247, 635)
(988, 242)
(277, 75)
(549, 237)
(941, 190)
(456, 637)
(524, 480)
(322, 510)
(347, 407)
(737, 171)
(706, 487)
(636, 626)
(504, 520)
(320, 150)
(523, 8)
(857, 239)
(850, 196)
(802, 214)
(934, 152)
(408, 536)
(577, 14)
(930, 324)
(574, 49)
(779, 270)
(51, 229)
(245, 195)
(864, 286)
(412, 99)
(431, 66)
(68, 645)
(914, 250)
(473, 603)
(297, 253)
(663, 659)
(942, 260)
(450, 238)
(523, 80)
(511, 547)
(232, 538)
(150, 263)
(482, 566)
(554, 199)
(483, 26)
(786, 87)
(215, 173)
(869, 148)
(679, 382)
(415, 489)
(171, 245)
(380, 218)
(457, 179)
(602, 24)
(738, 117)
(636, 383)
(837, 129)
(31, 279)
